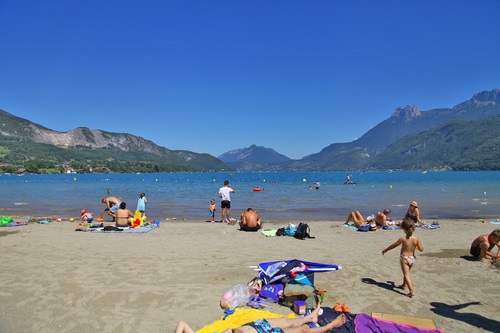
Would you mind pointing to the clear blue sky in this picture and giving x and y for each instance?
(212, 76)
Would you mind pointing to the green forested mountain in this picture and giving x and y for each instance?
(378, 148)
(27, 145)
(455, 145)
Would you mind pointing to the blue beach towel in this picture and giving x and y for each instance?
(140, 230)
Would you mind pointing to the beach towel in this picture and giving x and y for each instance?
(15, 224)
(239, 318)
(428, 226)
(140, 230)
(494, 222)
(269, 232)
(365, 323)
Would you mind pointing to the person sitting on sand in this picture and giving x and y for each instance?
(381, 218)
(481, 247)
(278, 325)
(87, 216)
(112, 204)
(250, 220)
(122, 215)
(414, 213)
(407, 255)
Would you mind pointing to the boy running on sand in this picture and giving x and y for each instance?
(407, 256)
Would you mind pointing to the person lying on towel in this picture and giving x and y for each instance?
(278, 325)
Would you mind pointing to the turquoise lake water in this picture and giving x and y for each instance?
(286, 195)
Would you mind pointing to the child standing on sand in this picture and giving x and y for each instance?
(141, 204)
(407, 256)
(211, 208)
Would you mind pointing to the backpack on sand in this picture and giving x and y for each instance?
(303, 231)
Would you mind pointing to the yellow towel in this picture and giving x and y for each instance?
(239, 318)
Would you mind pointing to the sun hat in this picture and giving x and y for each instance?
(414, 203)
(83, 211)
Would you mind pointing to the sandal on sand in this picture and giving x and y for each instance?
(337, 307)
(345, 308)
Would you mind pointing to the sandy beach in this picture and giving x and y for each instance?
(55, 279)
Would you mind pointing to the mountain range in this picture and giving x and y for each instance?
(464, 137)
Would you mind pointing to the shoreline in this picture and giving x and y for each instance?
(56, 279)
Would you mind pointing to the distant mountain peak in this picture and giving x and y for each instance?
(483, 98)
(253, 153)
(408, 113)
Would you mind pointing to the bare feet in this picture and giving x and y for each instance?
(410, 294)
(339, 321)
(314, 314)
(401, 286)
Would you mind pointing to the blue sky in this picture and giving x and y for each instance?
(212, 76)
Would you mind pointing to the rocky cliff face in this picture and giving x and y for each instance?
(408, 113)
(84, 137)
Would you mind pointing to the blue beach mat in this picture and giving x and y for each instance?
(494, 222)
(15, 224)
(141, 230)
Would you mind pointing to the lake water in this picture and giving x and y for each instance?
(286, 195)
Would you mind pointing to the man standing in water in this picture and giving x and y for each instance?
(225, 205)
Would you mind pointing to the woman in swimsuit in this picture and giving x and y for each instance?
(414, 213)
(407, 256)
(122, 215)
(278, 325)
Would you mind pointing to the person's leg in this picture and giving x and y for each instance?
(339, 321)
(182, 327)
(357, 218)
(284, 322)
(405, 267)
(402, 264)
(351, 217)
(482, 255)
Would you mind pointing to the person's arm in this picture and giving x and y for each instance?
(420, 247)
(392, 246)
(417, 215)
(490, 254)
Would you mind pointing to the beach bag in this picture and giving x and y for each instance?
(364, 227)
(272, 291)
(303, 231)
(237, 295)
(290, 230)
